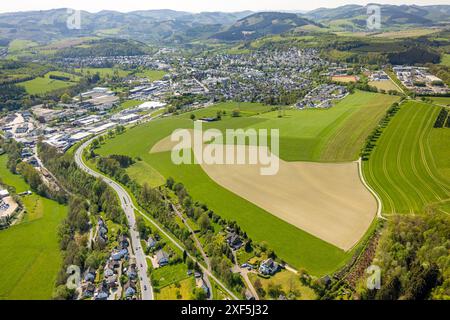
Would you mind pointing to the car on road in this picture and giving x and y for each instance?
(145, 288)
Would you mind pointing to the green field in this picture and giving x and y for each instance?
(336, 134)
(19, 45)
(152, 75)
(297, 247)
(10, 179)
(41, 85)
(127, 104)
(326, 135)
(104, 72)
(445, 101)
(172, 292)
(332, 135)
(288, 281)
(246, 109)
(152, 177)
(446, 60)
(169, 274)
(385, 85)
(29, 252)
(409, 168)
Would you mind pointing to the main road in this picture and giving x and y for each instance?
(129, 209)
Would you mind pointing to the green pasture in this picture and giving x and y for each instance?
(409, 167)
(41, 85)
(152, 75)
(297, 247)
(30, 256)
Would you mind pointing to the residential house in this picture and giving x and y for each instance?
(102, 292)
(4, 193)
(88, 290)
(129, 289)
(108, 271)
(111, 281)
(114, 264)
(90, 274)
(151, 242)
(162, 258)
(132, 272)
(234, 241)
(268, 267)
(123, 241)
(117, 255)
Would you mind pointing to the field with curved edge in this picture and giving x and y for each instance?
(336, 134)
(409, 168)
(297, 247)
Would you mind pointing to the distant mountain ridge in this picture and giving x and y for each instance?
(149, 25)
(391, 15)
(170, 26)
(261, 24)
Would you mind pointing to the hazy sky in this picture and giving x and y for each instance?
(191, 5)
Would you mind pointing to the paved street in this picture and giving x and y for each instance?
(128, 208)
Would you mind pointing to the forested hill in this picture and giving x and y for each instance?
(262, 24)
(353, 17)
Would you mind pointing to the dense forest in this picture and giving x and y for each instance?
(413, 256)
(414, 55)
(105, 48)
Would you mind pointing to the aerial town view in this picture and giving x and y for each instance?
(238, 151)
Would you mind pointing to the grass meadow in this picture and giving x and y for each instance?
(152, 75)
(173, 292)
(409, 167)
(446, 60)
(384, 85)
(104, 72)
(328, 135)
(289, 282)
(444, 101)
(297, 247)
(169, 274)
(30, 257)
(335, 134)
(41, 85)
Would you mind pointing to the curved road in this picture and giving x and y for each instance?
(130, 209)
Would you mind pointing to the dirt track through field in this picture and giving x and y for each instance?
(327, 200)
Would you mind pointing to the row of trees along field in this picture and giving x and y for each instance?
(372, 139)
(441, 118)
